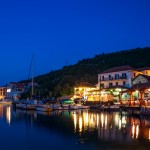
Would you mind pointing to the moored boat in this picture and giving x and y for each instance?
(25, 106)
(5, 102)
(43, 108)
(83, 106)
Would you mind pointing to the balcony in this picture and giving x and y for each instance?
(114, 78)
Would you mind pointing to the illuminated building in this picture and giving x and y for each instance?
(115, 84)
(81, 91)
(15, 89)
(117, 76)
(2, 92)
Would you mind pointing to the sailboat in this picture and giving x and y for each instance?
(29, 104)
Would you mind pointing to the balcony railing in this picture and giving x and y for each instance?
(114, 78)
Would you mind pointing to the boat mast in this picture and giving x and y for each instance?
(32, 82)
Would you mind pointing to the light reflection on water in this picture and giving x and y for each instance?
(8, 114)
(79, 127)
(111, 125)
(149, 134)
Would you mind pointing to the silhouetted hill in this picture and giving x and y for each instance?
(61, 82)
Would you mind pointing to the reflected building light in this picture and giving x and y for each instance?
(35, 116)
(85, 119)
(94, 123)
(137, 131)
(8, 115)
(1, 111)
(106, 122)
(133, 130)
(102, 120)
(91, 120)
(80, 124)
(120, 122)
(116, 119)
(97, 120)
(149, 135)
(124, 122)
(75, 121)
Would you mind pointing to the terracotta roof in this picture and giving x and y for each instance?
(142, 69)
(117, 69)
(145, 76)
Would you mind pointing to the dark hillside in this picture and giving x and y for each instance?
(61, 82)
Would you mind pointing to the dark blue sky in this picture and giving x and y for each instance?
(60, 31)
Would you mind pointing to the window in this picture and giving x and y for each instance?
(103, 78)
(102, 86)
(116, 76)
(110, 84)
(109, 76)
(116, 83)
(124, 75)
(19, 89)
(124, 82)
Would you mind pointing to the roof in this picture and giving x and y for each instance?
(3, 87)
(22, 84)
(140, 86)
(145, 76)
(142, 69)
(117, 69)
(17, 84)
(86, 84)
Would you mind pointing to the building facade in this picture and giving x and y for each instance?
(15, 89)
(2, 93)
(82, 90)
(113, 82)
(121, 76)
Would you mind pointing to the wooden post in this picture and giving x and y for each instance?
(120, 99)
(131, 98)
(142, 98)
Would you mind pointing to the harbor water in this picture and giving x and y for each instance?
(72, 130)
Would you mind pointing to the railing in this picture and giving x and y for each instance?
(114, 78)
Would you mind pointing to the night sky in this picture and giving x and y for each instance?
(61, 32)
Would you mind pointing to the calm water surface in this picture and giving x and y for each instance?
(71, 130)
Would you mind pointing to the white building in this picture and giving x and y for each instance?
(15, 89)
(121, 76)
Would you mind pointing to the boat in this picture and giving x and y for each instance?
(44, 108)
(82, 106)
(65, 107)
(25, 106)
(73, 107)
(31, 103)
(56, 107)
(6, 102)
